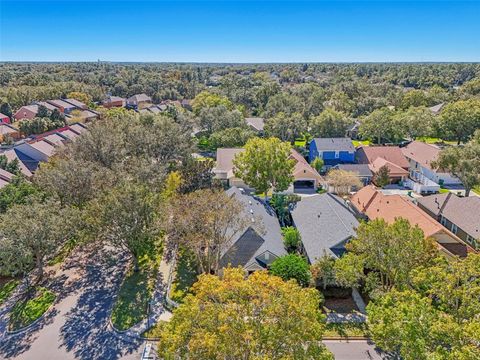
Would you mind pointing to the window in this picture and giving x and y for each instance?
(454, 228)
(443, 221)
(472, 241)
(337, 154)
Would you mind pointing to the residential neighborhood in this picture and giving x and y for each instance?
(239, 180)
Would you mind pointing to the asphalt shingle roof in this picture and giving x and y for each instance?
(325, 223)
(254, 240)
(334, 144)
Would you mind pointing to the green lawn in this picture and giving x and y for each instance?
(443, 191)
(26, 312)
(7, 289)
(476, 189)
(346, 330)
(363, 143)
(155, 331)
(65, 250)
(432, 140)
(185, 276)
(135, 293)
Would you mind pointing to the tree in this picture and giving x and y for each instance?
(42, 111)
(57, 116)
(462, 162)
(282, 204)
(80, 96)
(414, 98)
(330, 123)
(129, 217)
(291, 238)
(404, 321)
(291, 266)
(6, 109)
(205, 221)
(382, 177)
(460, 119)
(382, 126)
(286, 127)
(323, 270)
(392, 251)
(29, 233)
(218, 118)
(196, 174)
(317, 164)
(19, 191)
(207, 99)
(343, 181)
(231, 137)
(12, 167)
(245, 318)
(265, 165)
(416, 121)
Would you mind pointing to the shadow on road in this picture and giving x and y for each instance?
(84, 328)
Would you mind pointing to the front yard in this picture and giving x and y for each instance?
(26, 311)
(136, 291)
(346, 330)
(185, 275)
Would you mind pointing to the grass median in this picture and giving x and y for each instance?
(27, 310)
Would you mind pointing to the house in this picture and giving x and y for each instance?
(459, 214)
(4, 119)
(223, 169)
(27, 165)
(436, 109)
(332, 151)
(187, 104)
(5, 178)
(26, 112)
(305, 177)
(255, 123)
(420, 157)
(138, 101)
(62, 106)
(257, 245)
(389, 156)
(352, 131)
(362, 170)
(374, 204)
(8, 131)
(79, 128)
(114, 101)
(76, 103)
(325, 224)
(49, 107)
(82, 115)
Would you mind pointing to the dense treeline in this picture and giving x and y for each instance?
(356, 88)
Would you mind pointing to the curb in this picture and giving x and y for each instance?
(35, 322)
(346, 338)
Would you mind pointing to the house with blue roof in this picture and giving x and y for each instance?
(332, 151)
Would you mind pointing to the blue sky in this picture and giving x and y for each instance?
(239, 31)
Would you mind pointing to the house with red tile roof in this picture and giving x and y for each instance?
(4, 119)
(388, 156)
(374, 204)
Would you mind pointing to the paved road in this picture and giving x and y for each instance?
(356, 350)
(77, 326)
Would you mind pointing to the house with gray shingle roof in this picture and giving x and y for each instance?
(332, 151)
(261, 242)
(325, 224)
(461, 215)
(255, 123)
(362, 170)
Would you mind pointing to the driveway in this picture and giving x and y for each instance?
(77, 327)
(356, 350)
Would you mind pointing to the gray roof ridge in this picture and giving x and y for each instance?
(335, 212)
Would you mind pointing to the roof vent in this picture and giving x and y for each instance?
(253, 219)
(251, 211)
